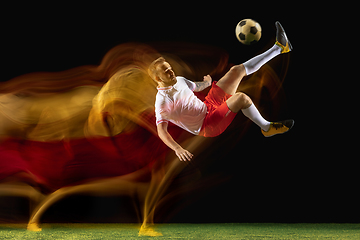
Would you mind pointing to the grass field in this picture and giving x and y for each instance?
(185, 231)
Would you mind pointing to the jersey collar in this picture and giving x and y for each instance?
(170, 87)
(165, 88)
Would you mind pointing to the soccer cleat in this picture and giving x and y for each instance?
(278, 128)
(281, 39)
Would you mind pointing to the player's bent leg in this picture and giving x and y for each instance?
(238, 101)
(231, 80)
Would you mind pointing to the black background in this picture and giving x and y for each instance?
(306, 175)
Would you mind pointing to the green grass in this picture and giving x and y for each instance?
(185, 231)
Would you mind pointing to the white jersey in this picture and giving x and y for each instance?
(179, 105)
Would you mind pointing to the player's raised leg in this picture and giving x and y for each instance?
(258, 61)
(282, 45)
(231, 80)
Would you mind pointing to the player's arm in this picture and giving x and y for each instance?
(165, 136)
(202, 85)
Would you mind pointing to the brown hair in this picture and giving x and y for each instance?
(152, 67)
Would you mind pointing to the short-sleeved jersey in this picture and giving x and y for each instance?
(179, 105)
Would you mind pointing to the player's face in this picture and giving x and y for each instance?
(165, 74)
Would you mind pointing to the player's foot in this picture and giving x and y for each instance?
(282, 40)
(278, 128)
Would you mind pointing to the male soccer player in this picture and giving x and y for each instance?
(176, 102)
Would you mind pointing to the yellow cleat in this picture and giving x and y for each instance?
(284, 49)
(278, 128)
(282, 40)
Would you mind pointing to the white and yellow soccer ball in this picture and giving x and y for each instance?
(248, 31)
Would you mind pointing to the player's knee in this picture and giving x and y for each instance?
(238, 70)
(243, 100)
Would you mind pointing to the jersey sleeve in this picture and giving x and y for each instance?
(160, 117)
(160, 112)
(190, 84)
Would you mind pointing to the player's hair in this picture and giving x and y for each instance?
(152, 67)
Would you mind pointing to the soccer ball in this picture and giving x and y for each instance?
(248, 31)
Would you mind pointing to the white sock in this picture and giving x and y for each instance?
(252, 113)
(255, 63)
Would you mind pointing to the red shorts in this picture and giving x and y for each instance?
(218, 116)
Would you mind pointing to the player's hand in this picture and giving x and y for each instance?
(208, 79)
(183, 155)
